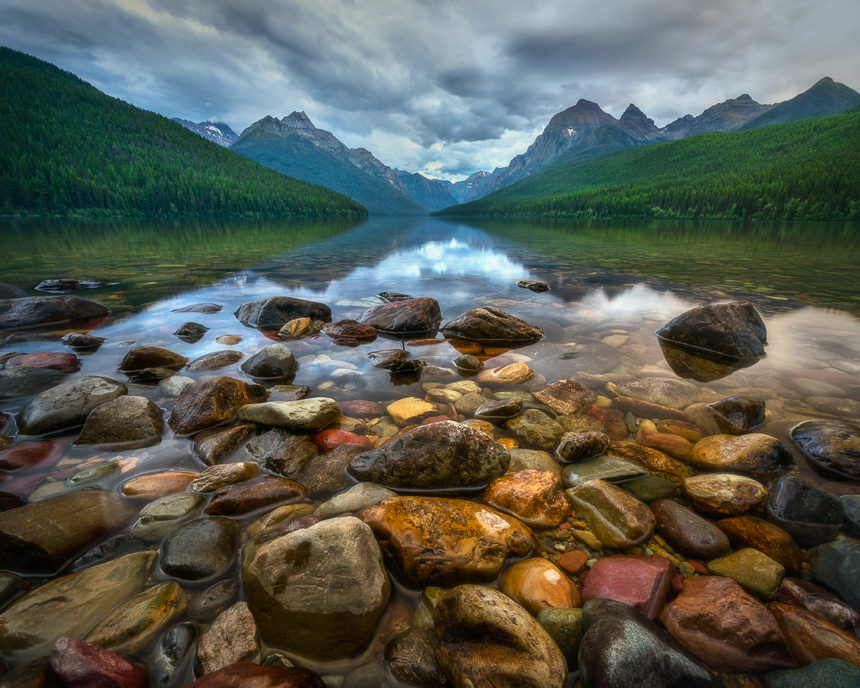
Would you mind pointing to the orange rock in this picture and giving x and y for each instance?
(573, 560)
(751, 531)
(812, 638)
(154, 485)
(652, 460)
(534, 496)
(539, 584)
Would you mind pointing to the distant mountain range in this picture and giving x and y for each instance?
(218, 132)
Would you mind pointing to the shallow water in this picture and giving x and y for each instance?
(611, 286)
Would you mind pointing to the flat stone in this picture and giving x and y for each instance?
(511, 374)
(300, 327)
(809, 514)
(736, 415)
(734, 330)
(231, 638)
(578, 446)
(304, 414)
(328, 439)
(354, 499)
(275, 311)
(649, 488)
(499, 410)
(724, 493)
(538, 584)
(327, 474)
(837, 565)
(410, 410)
(155, 485)
(359, 408)
(16, 383)
(435, 540)
(405, 317)
(162, 515)
(208, 308)
(250, 495)
(811, 638)
(214, 360)
(274, 362)
(48, 311)
(351, 329)
(67, 405)
(752, 570)
(642, 583)
(831, 446)
(605, 468)
(63, 362)
(824, 672)
(29, 455)
(523, 459)
(127, 422)
(687, 532)
(533, 496)
(248, 675)
(200, 549)
(753, 454)
(489, 324)
(618, 519)
(751, 531)
(282, 452)
(216, 477)
(662, 391)
(141, 357)
(536, 428)
(802, 593)
(211, 446)
(567, 397)
(79, 664)
(654, 461)
(205, 404)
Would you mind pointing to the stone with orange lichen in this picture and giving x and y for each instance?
(534, 496)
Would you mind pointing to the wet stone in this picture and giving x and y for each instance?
(639, 582)
(240, 498)
(200, 549)
(67, 405)
(305, 414)
(736, 415)
(214, 360)
(282, 452)
(833, 447)
(468, 363)
(687, 532)
(419, 316)
(65, 363)
(354, 499)
(173, 654)
(809, 514)
(523, 459)
(202, 405)
(564, 626)
(275, 362)
(489, 324)
(327, 474)
(275, 311)
(851, 507)
(824, 672)
(734, 330)
(248, 675)
(577, 446)
(605, 468)
(753, 454)
(11, 587)
(43, 311)
(300, 327)
(469, 403)
(535, 428)
(29, 455)
(662, 391)
(155, 485)
(752, 570)
(511, 374)
(751, 531)
(650, 487)
(351, 329)
(211, 446)
(810, 637)
(191, 332)
(127, 422)
(652, 460)
(533, 285)
(538, 584)
(232, 637)
(216, 477)
(500, 410)
(80, 664)
(837, 565)
(205, 605)
(208, 308)
(411, 658)
(410, 410)
(16, 383)
(141, 357)
(534, 496)
(566, 397)
(724, 493)
(618, 519)
(802, 593)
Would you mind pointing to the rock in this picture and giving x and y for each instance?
(566, 397)
(687, 532)
(752, 570)
(354, 499)
(204, 404)
(511, 374)
(300, 327)
(468, 363)
(536, 428)
(534, 496)
(162, 515)
(42, 536)
(605, 468)
(831, 446)
(824, 672)
(200, 549)
(250, 495)
(851, 508)
(817, 600)
(47, 311)
(434, 540)
(639, 582)
(11, 587)
(724, 493)
(205, 605)
(358, 408)
(753, 454)
(134, 625)
(208, 308)
(410, 410)
(577, 446)
(275, 362)
(211, 446)
(328, 439)
(523, 459)
(141, 357)
(621, 647)
(173, 655)
(37, 674)
(751, 531)
(564, 626)
(486, 639)
(64, 363)
(735, 415)
(414, 317)
(275, 311)
(318, 591)
(440, 455)
(29, 455)
(172, 386)
(617, 519)
(351, 329)
(811, 638)
(389, 359)
(732, 330)
(247, 675)
(650, 487)
(538, 584)
(231, 638)
(282, 452)
(411, 658)
(662, 391)
(67, 405)
(127, 422)
(80, 664)
(25, 382)
(533, 285)
(67, 284)
(155, 485)
(304, 414)
(652, 460)
(500, 410)
(327, 474)
(70, 605)
(837, 565)
(488, 324)
(191, 332)
(809, 514)
(214, 360)
(216, 477)
(10, 291)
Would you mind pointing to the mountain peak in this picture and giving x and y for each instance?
(584, 114)
(298, 120)
(824, 81)
(631, 112)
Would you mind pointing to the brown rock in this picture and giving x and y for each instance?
(725, 627)
(488, 324)
(273, 312)
(804, 594)
(539, 584)
(205, 404)
(687, 532)
(578, 446)
(214, 360)
(410, 410)
(282, 452)
(326, 474)
(213, 445)
(225, 474)
(751, 531)
(232, 637)
(533, 496)
(753, 454)
(652, 460)
(253, 494)
(247, 675)
(566, 397)
(647, 409)
(351, 329)
(127, 422)
(511, 374)
(65, 363)
(80, 664)
(812, 638)
(141, 357)
(618, 519)
(724, 493)
(433, 540)
(151, 486)
(417, 317)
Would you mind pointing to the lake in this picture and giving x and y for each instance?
(611, 286)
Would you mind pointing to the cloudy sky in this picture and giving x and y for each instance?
(445, 87)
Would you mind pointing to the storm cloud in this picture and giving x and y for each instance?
(445, 88)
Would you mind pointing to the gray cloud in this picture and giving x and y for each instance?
(446, 87)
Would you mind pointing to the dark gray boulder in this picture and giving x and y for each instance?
(41, 311)
(733, 330)
(488, 324)
(274, 312)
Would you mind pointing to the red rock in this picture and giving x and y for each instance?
(434, 419)
(699, 567)
(359, 408)
(247, 675)
(327, 440)
(79, 664)
(677, 583)
(30, 455)
(611, 419)
(64, 362)
(23, 485)
(573, 560)
(812, 638)
(639, 582)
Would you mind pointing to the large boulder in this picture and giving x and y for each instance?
(318, 591)
(274, 312)
(832, 446)
(47, 311)
(489, 324)
(733, 330)
(68, 404)
(213, 402)
(413, 317)
(127, 422)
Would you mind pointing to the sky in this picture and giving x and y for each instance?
(442, 87)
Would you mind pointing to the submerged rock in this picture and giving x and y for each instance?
(687, 532)
(275, 311)
(47, 311)
(79, 664)
(230, 638)
(811, 515)
(724, 493)
(618, 519)
(751, 531)
(832, 446)
(405, 317)
(141, 357)
(735, 415)
(534, 496)
(275, 362)
(191, 332)
(202, 405)
(753, 454)
(304, 414)
(734, 330)
(67, 405)
(489, 324)
(246, 674)
(127, 422)
(65, 363)
(25, 382)
(199, 549)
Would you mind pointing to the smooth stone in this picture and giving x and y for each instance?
(70, 605)
(160, 516)
(809, 514)
(499, 410)
(282, 518)
(524, 459)
(411, 658)
(67, 405)
(536, 428)
(328, 439)
(207, 308)
(275, 362)
(127, 422)
(641, 582)
(205, 605)
(662, 391)
(41, 536)
(42, 311)
(25, 382)
(327, 474)
(80, 664)
(232, 637)
(354, 499)
(649, 488)
(228, 339)
(115, 546)
(654, 461)
(533, 285)
(141, 357)
(10, 291)
(173, 655)
(253, 494)
(28, 455)
(751, 531)
(248, 675)
(436, 540)
(618, 519)
(468, 363)
(566, 397)
(389, 359)
(202, 405)
(753, 454)
(564, 626)
(211, 446)
(752, 570)
(155, 485)
(687, 532)
(405, 317)
(835, 406)
(489, 324)
(410, 410)
(300, 327)
(134, 625)
(538, 584)
(831, 446)
(191, 332)
(318, 591)
(837, 565)
(214, 360)
(578, 446)
(200, 549)
(11, 587)
(672, 444)
(533, 496)
(222, 475)
(274, 312)
(734, 330)
(282, 452)
(439, 455)
(622, 647)
(605, 468)
(469, 403)
(350, 329)
(486, 639)
(359, 408)
(725, 494)
(802, 593)
(824, 672)
(811, 638)
(736, 415)
(488, 429)
(304, 414)
(851, 509)
(63, 362)
(511, 374)
(173, 385)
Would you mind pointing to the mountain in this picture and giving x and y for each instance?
(434, 194)
(69, 149)
(825, 97)
(218, 132)
(807, 169)
(294, 146)
(729, 115)
(474, 186)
